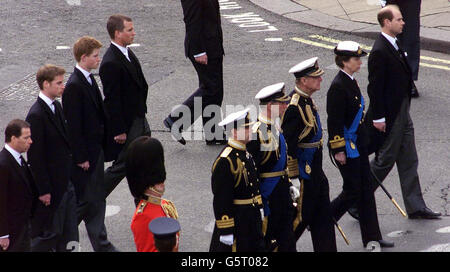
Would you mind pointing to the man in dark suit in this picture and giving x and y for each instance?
(83, 108)
(54, 225)
(203, 46)
(389, 89)
(125, 90)
(17, 191)
(410, 37)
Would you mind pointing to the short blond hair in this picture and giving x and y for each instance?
(85, 46)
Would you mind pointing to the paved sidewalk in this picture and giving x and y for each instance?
(359, 17)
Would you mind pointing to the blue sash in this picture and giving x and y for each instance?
(268, 184)
(350, 134)
(306, 155)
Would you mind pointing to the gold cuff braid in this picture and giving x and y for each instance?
(293, 168)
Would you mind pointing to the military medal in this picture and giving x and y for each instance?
(307, 169)
(352, 145)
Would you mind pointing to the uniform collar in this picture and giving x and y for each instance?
(236, 144)
(265, 119)
(300, 92)
(153, 199)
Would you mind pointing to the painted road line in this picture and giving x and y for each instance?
(318, 44)
(434, 66)
(366, 47)
(331, 40)
(74, 2)
(134, 45)
(443, 230)
(62, 47)
(313, 43)
(273, 39)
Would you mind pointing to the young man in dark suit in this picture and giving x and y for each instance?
(54, 226)
(17, 189)
(86, 118)
(204, 47)
(389, 89)
(125, 90)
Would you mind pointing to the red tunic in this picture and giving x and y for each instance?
(146, 211)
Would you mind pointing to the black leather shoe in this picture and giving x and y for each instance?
(426, 213)
(353, 212)
(414, 92)
(384, 243)
(168, 124)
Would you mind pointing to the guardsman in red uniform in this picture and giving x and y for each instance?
(235, 186)
(146, 175)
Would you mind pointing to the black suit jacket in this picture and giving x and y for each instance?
(17, 196)
(125, 90)
(50, 154)
(343, 103)
(203, 28)
(85, 114)
(390, 82)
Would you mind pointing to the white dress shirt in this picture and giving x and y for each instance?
(122, 49)
(85, 73)
(48, 101)
(348, 74)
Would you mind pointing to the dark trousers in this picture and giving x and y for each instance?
(116, 172)
(61, 233)
(399, 149)
(279, 221)
(410, 37)
(91, 206)
(357, 189)
(20, 241)
(314, 204)
(210, 91)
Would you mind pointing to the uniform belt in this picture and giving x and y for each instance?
(311, 145)
(254, 200)
(273, 174)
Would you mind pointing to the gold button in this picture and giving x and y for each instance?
(356, 97)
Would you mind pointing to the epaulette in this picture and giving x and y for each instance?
(169, 209)
(226, 152)
(294, 99)
(141, 207)
(255, 127)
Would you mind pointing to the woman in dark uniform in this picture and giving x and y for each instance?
(348, 143)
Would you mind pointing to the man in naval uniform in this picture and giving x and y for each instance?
(269, 151)
(303, 132)
(235, 186)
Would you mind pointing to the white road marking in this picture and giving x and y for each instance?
(438, 248)
(74, 2)
(274, 39)
(112, 210)
(443, 230)
(134, 45)
(0, 50)
(62, 47)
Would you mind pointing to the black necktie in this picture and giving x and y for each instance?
(23, 163)
(58, 114)
(91, 76)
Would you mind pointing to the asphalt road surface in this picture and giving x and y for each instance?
(260, 48)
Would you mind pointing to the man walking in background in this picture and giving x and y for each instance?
(204, 48)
